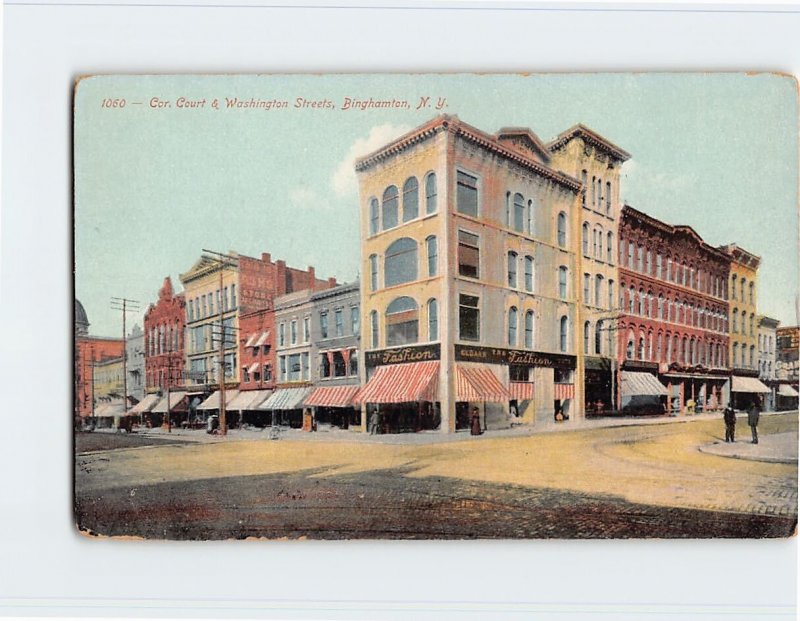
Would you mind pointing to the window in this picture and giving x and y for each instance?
(433, 320)
(669, 269)
(304, 361)
(632, 300)
(294, 368)
(469, 317)
(374, 217)
(512, 326)
(563, 331)
(641, 348)
(598, 287)
(585, 239)
(338, 318)
(594, 191)
(267, 372)
(353, 362)
(433, 255)
(587, 298)
(354, 320)
(733, 287)
(608, 198)
(611, 302)
(649, 262)
(402, 322)
(562, 230)
(373, 322)
(373, 272)
(467, 194)
(323, 324)
(233, 297)
(529, 329)
(594, 244)
(189, 311)
(282, 334)
(530, 217)
(430, 193)
(306, 329)
(741, 291)
(210, 298)
(661, 306)
(390, 199)
(752, 300)
(519, 213)
(339, 366)
(586, 337)
(598, 333)
(400, 263)
(293, 331)
(584, 181)
(282, 368)
(410, 199)
(630, 255)
(528, 273)
(508, 216)
(610, 248)
(512, 270)
(562, 282)
(468, 254)
(640, 258)
(735, 361)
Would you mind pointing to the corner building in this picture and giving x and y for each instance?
(469, 292)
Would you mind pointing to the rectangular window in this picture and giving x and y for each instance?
(293, 331)
(323, 325)
(233, 297)
(469, 317)
(338, 316)
(324, 365)
(528, 273)
(432, 255)
(225, 299)
(373, 272)
(354, 320)
(282, 335)
(587, 298)
(305, 364)
(467, 194)
(306, 329)
(608, 198)
(293, 368)
(611, 303)
(468, 254)
(512, 270)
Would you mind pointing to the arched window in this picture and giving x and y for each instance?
(629, 349)
(735, 360)
(373, 324)
(430, 193)
(585, 182)
(640, 304)
(594, 242)
(630, 255)
(641, 348)
(741, 289)
(373, 272)
(410, 199)
(512, 269)
(433, 320)
(632, 300)
(610, 247)
(598, 290)
(529, 329)
(508, 210)
(586, 337)
(519, 213)
(660, 347)
(433, 255)
(585, 239)
(562, 282)
(608, 198)
(685, 350)
(390, 199)
(512, 326)
(528, 273)
(648, 267)
(612, 304)
(598, 333)
(402, 322)
(640, 258)
(661, 306)
(733, 286)
(374, 217)
(562, 229)
(752, 300)
(530, 217)
(400, 262)
(563, 332)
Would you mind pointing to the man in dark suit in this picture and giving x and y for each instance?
(752, 420)
(730, 423)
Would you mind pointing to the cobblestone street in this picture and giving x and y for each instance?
(629, 481)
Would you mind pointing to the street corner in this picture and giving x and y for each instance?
(775, 448)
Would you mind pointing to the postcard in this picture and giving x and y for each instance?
(436, 306)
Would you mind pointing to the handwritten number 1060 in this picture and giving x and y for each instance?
(113, 103)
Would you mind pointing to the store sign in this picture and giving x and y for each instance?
(498, 355)
(400, 355)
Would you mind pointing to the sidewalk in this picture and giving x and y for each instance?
(776, 448)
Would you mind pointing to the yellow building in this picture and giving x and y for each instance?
(743, 303)
(470, 280)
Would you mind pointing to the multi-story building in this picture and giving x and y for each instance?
(335, 342)
(258, 362)
(108, 390)
(469, 295)
(787, 367)
(588, 156)
(673, 324)
(134, 352)
(164, 324)
(767, 335)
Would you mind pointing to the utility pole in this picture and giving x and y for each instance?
(91, 362)
(223, 261)
(614, 315)
(125, 305)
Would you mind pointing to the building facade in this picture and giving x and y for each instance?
(767, 356)
(787, 367)
(743, 326)
(673, 324)
(134, 352)
(164, 339)
(469, 296)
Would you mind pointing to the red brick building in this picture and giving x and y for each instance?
(673, 300)
(164, 324)
(257, 349)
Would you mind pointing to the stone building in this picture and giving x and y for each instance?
(164, 325)
(134, 352)
(673, 292)
(787, 367)
(767, 356)
(470, 283)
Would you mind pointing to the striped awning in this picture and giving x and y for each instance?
(402, 383)
(109, 410)
(262, 339)
(175, 399)
(562, 392)
(248, 400)
(286, 399)
(332, 396)
(784, 390)
(252, 340)
(478, 383)
(145, 405)
(521, 391)
(253, 368)
(633, 383)
(212, 403)
(748, 384)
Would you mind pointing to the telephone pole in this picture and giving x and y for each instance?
(125, 305)
(223, 260)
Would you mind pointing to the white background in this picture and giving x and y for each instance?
(46, 568)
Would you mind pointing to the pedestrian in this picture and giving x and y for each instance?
(729, 415)
(374, 421)
(475, 423)
(752, 420)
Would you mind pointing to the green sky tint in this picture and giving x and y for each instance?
(153, 186)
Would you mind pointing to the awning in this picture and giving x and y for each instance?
(253, 368)
(561, 392)
(145, 405)
(286, 399)
(262, 339)
(478, 383)
(638, 383)
(175, 399)
(748, 384)
(248, 399)
(110, 410)
(784, 390)
(251, 341)
(402, 383)
(521, 391)
(332, 396)
(212, 403)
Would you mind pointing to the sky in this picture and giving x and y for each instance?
(156, 182)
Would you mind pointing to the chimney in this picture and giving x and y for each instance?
(281, 286)
(266, 257)
(312, 281)
(331, 283)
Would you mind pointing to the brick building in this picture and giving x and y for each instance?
(164, 324)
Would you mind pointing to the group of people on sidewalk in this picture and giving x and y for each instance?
(753, 414)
